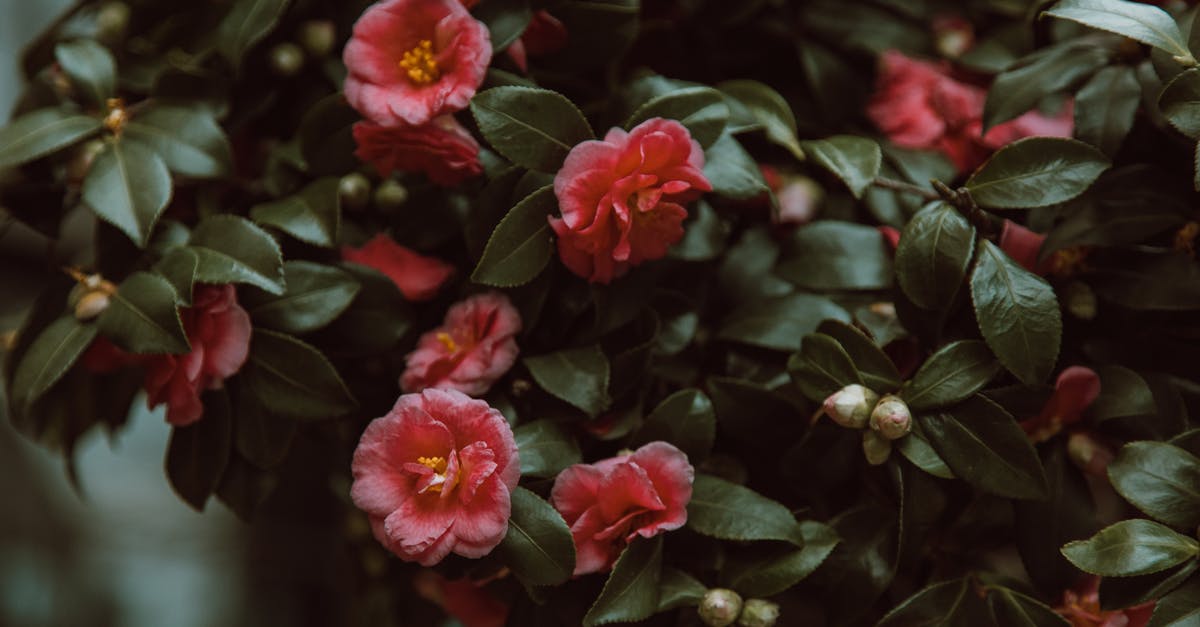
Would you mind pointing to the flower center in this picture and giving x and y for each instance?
(438, 465)
(448, 342)
(419, 64)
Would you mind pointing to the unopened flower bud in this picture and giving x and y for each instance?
(318, 37)
(851, 406)
(720, 607)
(799, 198)
(758, 613)
(111, 21)
(876, 448)
(390, 195)
(891, 418)
(953, 36)
(287, 59)
(1081, 300)
(91, 305)
(354, 191)
(1088, 454)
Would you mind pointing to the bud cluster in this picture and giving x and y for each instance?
(90, 296)
(722, 608)
(857, 407)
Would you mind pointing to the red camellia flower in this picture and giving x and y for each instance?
(418, 277)
(622, 198)
(918, 105)
(442, 149)
(1076, 388)
(475, 345)
(609, 503)
(410, 61)
(1081, 607)
(435, 475)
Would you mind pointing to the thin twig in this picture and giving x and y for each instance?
(904, 187)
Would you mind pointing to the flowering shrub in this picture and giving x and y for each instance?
(854, 312)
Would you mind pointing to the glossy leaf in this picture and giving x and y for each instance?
(578, 376)
(1018, 314)
(1036, 172)
(831, 255)
(189, 140)
(1180, 103)
(1147, 24)
(316, 295)
(293, 379)
(952, 374)
(874, 366)
(311, 215)
(1022, 86)
(128, 187)
(731, 170)
(780, 323)
(248, 22)
(506, 20)
(855, 160)
(986, 447)
(179, 267)
(916, 449)
(198, 453)
(631, 592)
(521, 245)
(1106, 107)
(769, 109)
(932, 257)
(142, 317)
(1123, 394)
(701, 109)
(234, 250)
(545, 448)
(538, 546)
(728, 511)
(326, 136)
(822, 367)
(1161, 480)
(1011, 608)
(947, 604)
(48, 358)
(1131, 547)
(41, 132)
(771, 575)
(91, 68)
(532, 127)
(686, 419)
(679, 589)
(1178, 608)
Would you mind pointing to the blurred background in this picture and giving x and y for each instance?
(122, 549)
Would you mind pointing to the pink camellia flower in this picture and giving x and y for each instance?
(418, 277)
(474, 347)
(1024, 246)
(622, 198)
(435, 475)
(219, 332)
(1076, 388)
(443, 150)
(410, 61)
(469, 602)
(544, 35)
(919, 105)
(1081, 607)
(609, 503)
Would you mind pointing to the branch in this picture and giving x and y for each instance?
(904, 187)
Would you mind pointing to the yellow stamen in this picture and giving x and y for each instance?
(438, 464)
(447, 341)
(420, 64)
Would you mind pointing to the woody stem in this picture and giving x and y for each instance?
(905, 187)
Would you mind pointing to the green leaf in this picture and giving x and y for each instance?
(316, 295)
(731, 170)
(1178, 608)
(832, 255)
(769, 109)
(128, 187)
(701, 109)
(235, 250)
(1013, 609)
(822, 367)
(521, 245)
(1161, 480)
(198, 453)
(932, 257)
(312, 215)
(1123, 394)
(1131, 547)
(377, 318)
(947, 604)
(41, 132)
(545, 448)
(48, 358)
(780, 323)
(248, 22)
(678, 589)
(142, 316)
(855, 160)
(728, 511)
(1106, 107)
(1036, 172)
(632, 590)
(874, 366)
(538, 546)
(1022, 86)
(775, 573)
(179, 267)
(686, 419)
(293, 379)
(189, 140)
(1180, 103)
(506, 20)
(91, 68)
(916, 449)
(1122, 592)
(986, 447)
(1017, 313)
(951, 375)
(1147, 24)
(326, 137)
(578, 376)
(703, 237)
(532, 127)
(262, 437)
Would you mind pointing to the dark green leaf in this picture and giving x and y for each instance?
(262, 437)
(769, 109)
(1131, 547)
(701, 109)
(822, 367)
(873, 365)
(42, 132)
(538, 546)
(505, 19)
(685, 419)
(1036, 172)
(703, 237)
(780, 322)
(1123, 394)
(545, 448)
(1106, 107)
(311, 215)
(771, 575)
(830, 255)
(1022, 86)
(731, 170)
(917, 450)
(198, 453)
(178, 267)
(293, 379)
(1122, 592)
(855, 160)
(1147, 24)
(1042, 527)
(578, 376)
(316, 295)
(632, 590)
(235, 250)
(932, 257)
(128, 187)
(377, 318)
(90, 67)
(1013, 609)
(246, 23)
(947, 604)
(326, 137)
(1180, 103)
(1017, 313)
(142, 317)
(189, 140)
(728, 511)
(986, 447)
(951, 375)
(1161, 480)
(1179, 608)
(532, 127)
(679, 589)
(521, 245)
(48, 358)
